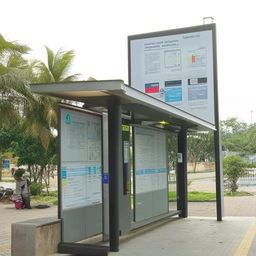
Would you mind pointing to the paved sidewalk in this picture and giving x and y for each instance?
(193, 237)
(233, 206)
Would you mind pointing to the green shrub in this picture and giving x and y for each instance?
(36, 188)
(234, 167)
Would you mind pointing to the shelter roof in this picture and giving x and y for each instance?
(97, 95)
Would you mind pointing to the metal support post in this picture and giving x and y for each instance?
(217, 138)
(182, 200)
(218, 175)
(115, 167)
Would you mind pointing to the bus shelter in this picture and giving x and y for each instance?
(95, 161)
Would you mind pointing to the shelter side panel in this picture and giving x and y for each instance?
(81, 174)
(150, 174)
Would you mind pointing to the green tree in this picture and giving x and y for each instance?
(41, 113)
(250, 140)
(14, 76)
(234, 135)
(234, 167)
(200, 147)
(36, 113)
(41, 116)
(172, 152)
(5, 142)
(40, 163)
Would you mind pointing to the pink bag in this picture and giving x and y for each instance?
(18, 204)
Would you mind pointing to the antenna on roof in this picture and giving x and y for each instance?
(208, 20)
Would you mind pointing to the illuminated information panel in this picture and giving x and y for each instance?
(150, 160)
(176, 68)
(81, 164)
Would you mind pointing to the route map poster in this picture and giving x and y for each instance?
(176, 68)
(81, 164)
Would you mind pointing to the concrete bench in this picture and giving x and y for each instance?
(36, 237)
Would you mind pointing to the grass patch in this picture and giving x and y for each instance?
(51, 199)
(201, 196)
(205, 196)
(194, 196)
(7, 180)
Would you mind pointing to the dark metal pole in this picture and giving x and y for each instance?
(59, 171)
(182, 200)
(217, 137)
(115, 167)
(218, 175)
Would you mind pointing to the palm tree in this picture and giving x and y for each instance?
(13, 83)
(41, 115)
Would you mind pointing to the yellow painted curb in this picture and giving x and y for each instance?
(5, 247)
(244, 247)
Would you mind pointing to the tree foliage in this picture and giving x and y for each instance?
(172, 152)
(200, 147)
(238, 136)
(33, 116)
(234, 134)
(57, 67)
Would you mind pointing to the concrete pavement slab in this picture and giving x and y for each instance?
(189, 237)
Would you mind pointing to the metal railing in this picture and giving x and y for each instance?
(249, 179)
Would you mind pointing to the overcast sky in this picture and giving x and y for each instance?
(97, 30)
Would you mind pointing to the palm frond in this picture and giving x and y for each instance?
(58, 66)
(45, 75)
(16, 61)
(8, 113)
(63, 61)
(50, 59)
(12, 47)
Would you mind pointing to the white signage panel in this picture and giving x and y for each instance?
(150, 160)
(177, 69)
(81, 165)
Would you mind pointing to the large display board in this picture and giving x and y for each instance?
(177, 67)
(80, 159)
(80, 172)
(150, 162)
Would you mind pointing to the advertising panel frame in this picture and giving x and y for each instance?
(179, 31)
(59, 153)
(217, 133)
(166, 133)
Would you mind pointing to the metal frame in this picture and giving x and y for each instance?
(79, 248)
(182, 197)
(59, 172)
(115, 165)
(200, 28)
(152, 219)
(217, 135)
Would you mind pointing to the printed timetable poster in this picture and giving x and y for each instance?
(176, 68)
(81, 165)
(150, 160)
